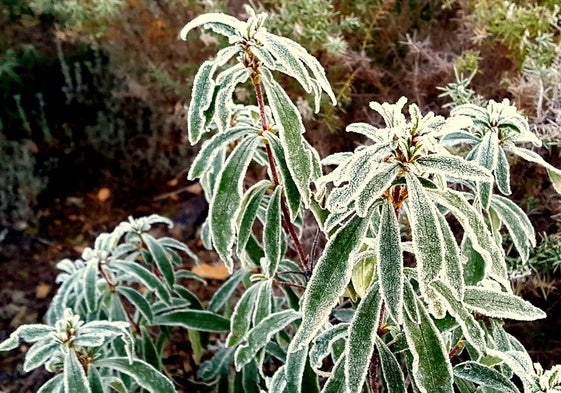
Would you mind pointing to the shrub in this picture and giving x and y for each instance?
(398, 299)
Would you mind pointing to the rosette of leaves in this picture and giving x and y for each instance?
(498, 129)
(276, 135)
(86, 356)
(421, 317)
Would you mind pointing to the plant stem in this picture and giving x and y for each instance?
(256, 80)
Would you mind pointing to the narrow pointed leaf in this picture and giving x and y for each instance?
(297, 150)
(290, 189)
(39, 353)
(138, 301)
(53, 385)
(502, 173)
(378, 184)
(391, 371)
(210, 149)
(484, 376)
(264, 301)
(390, 259)
(227, 197)
(75, 379)
(363, 331)
(432, 370)
(201, 99)
(470, 327)
(329, 280)
(336, 383)
(518, 225)
(201, 320)
(455, 167)
(272, 234)
(501, 305)
(323, 344)
(529, 155)
(287, 59)
(143, 374)
(248, 211)
(228, 80)
(226, 291)
(487, 157)
(453, 266)
(427, 235)
(90, 281)
(476, 230)
(294, 370)
(220, 23)
(143, 276)
(260, 335)
(242, 316)
(160, 257)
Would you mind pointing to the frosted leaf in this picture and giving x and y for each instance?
(381, 180)
(454, 167)
(456, 138)
(453, 273)
(427, 237)
(365, 129)
(502, 172)
(322, 346)
(201, 99)
(484, 376)
(528, 155)
(501, 305)
(362, 335)
(391, 113)
(517, 223)
(220, 23)
(227, 81)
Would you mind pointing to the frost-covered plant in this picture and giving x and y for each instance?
(397, 299)
(130, 287)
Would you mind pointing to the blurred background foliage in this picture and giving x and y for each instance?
(93, 91)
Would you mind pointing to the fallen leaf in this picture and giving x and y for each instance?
(173, 182)
(195, 188)
(216, 271)
(42, 291)
(103, 194)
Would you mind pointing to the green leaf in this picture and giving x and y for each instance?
(160, 257)
(242, 316)
(272, 234)
(144, 276)
(363, 331)
(39, 353)
(529, 155)
(432, 370)
(213, 367)
(329, 279)
(248, 211)
(488, 157)
(149, 351)
(201, 100)
(517, 223)
(228, 80)
(287, 59)
(484, 376)
(220, 23)
(390, 259)
(476, 230)
(378, 184)
(210, 149)
(90, 281)
(30, 333)
(143, 374)
(364, 272)
(226, 291)
(470, 327)
(453, 266)
(290, 189)
(455, 167)
(264, 301)
(260, 335)
(75, 379)
(501, 305)
(138, 301)
(502, 173)
(324, 342)
(428, 242)
(294, 370)
(172, 243)
(289, 122)
(393, 376)
(227, 198)
(205, 321)
(94, 379)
